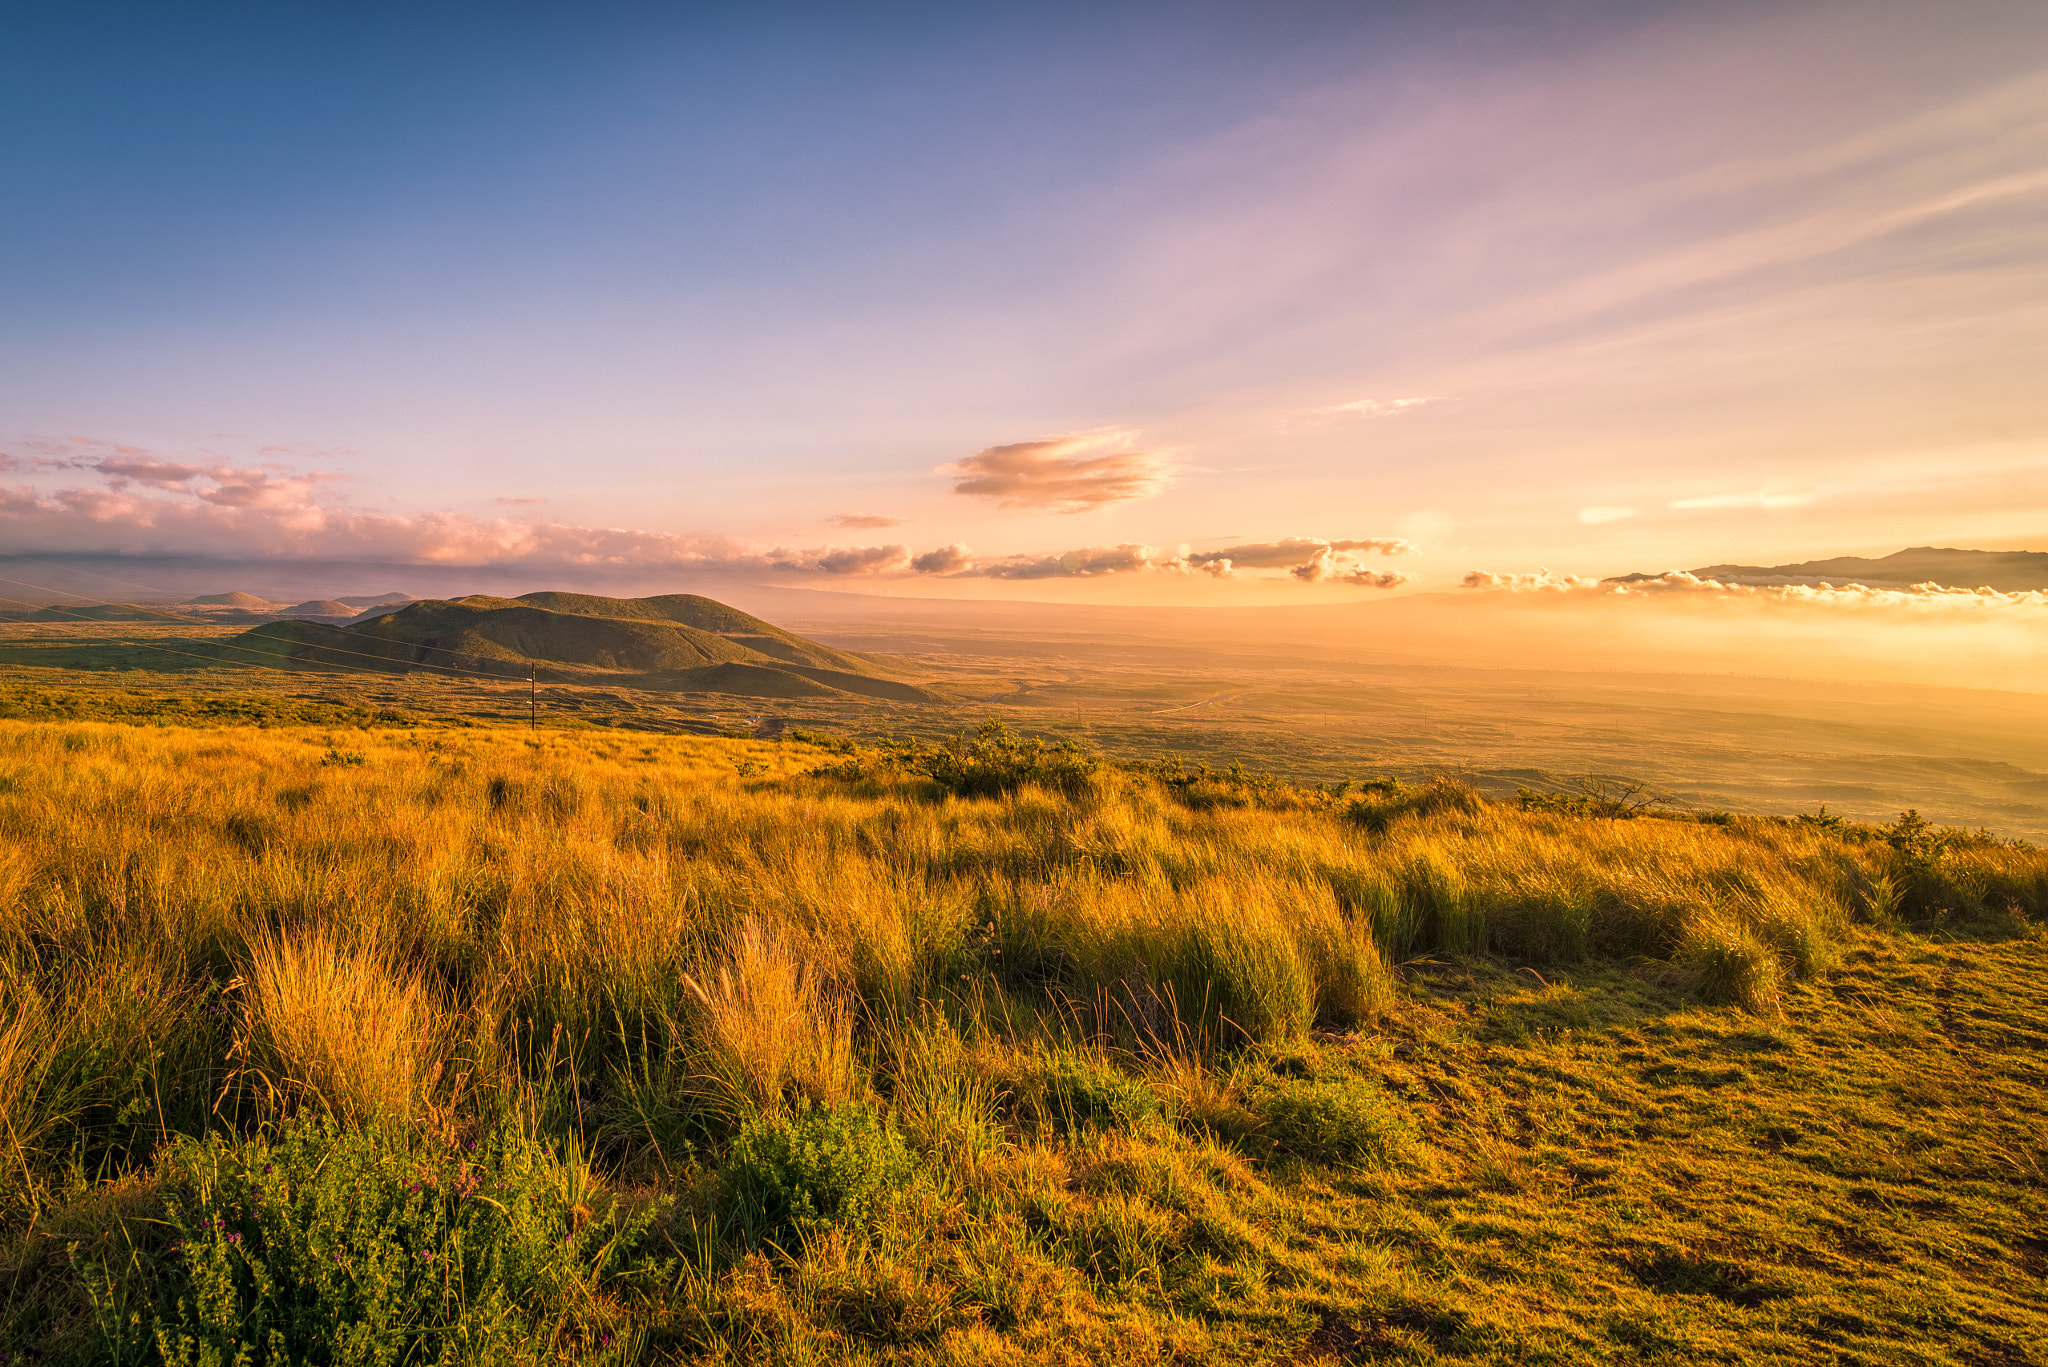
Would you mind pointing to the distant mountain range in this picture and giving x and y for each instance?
(234, 608)
(2006, 571)
(676, 641)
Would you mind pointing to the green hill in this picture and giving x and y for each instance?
(677, 641)
(709, 615)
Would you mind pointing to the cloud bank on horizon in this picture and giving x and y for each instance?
(144, 504)
(1943, 599)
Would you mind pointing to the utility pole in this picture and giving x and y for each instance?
(533, 686)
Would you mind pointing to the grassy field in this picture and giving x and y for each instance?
(361, 1043)
(1313, 705)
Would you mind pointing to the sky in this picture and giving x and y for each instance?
(1163, 303)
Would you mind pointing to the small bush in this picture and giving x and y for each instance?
(1078, 1092)
(325, 1245)
(1724, 961)
(814, 1169)
(993, 762)
(1336, 1120)
(1384, 800)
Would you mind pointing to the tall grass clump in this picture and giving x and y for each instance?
(767, 1027)
(349, 1030)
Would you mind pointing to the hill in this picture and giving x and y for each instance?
(321, 607)
(103, 612)
(2006, 571)
(706, 615)
(234, 599)
(656, 642)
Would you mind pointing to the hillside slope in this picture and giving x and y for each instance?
(574, 637)
(708, 615)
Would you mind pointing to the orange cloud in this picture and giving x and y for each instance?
(1071, 474)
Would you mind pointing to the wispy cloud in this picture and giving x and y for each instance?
(1086, 563)
(862, 560)
(1769, 499)
(1070, 474)
(1309, 560)
(863, 521)
(521, 502)
(143, 503)
(1540, 581)
(1375, 408)
(1599, 513)
(1295, 551)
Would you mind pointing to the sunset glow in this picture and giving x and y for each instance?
(940, 304)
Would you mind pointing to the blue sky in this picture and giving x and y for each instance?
(1090, 293)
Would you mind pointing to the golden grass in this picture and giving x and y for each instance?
(628, 944)
(348, 1028)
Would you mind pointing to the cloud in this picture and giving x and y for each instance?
(231, 487)
(1766, 498)
(863, 560)
(1682, 584)
(1333, 562)
(1071, 474)
(1087, 563)
(953, 559)
(1295, 550)
(158, 474)
(1598, 513)
(521, 502)
(1310, 559)
(864, 521)
(1375, 408)
(1679, 582)
(1542, 581)
(144, 504)
(1333, 567)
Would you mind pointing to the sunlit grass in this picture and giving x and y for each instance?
(1145, 1037)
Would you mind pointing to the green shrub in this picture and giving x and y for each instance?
(1335, 1120)
(810, 1170)
(1079, 1092)
(993, 762)
(1724, 961)
(327, 1245)
(1384, 800)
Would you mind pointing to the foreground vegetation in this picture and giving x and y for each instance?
(388, 1046)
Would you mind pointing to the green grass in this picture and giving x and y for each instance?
(734, 1051)
(19, 702)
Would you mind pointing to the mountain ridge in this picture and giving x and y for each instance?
(586, 637)
(2005, 571)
